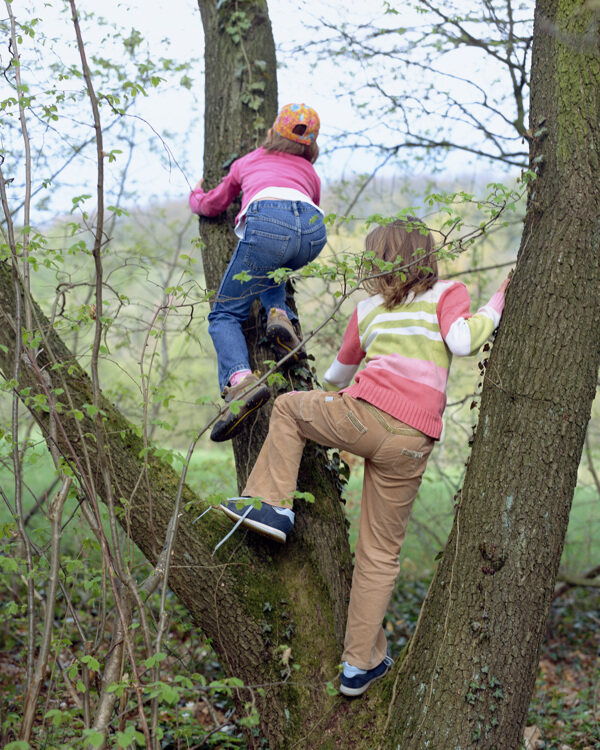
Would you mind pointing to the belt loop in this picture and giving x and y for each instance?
(296, 212)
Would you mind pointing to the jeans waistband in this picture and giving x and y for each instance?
(283, 205)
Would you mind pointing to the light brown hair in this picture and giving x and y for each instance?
(409, 246)
(276, 142)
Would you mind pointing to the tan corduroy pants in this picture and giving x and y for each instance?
(395, 459)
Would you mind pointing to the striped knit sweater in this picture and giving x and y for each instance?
(408, 351)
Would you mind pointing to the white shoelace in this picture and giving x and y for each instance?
(238, 522)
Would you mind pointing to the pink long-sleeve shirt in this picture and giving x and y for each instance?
(252, 174)
(408, 351)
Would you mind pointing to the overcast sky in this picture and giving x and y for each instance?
(174, 29)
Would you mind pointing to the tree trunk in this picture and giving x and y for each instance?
(240, 105)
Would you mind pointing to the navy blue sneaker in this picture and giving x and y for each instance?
(357, 684)
(275, 523)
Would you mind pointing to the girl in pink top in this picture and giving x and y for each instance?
(280, 225)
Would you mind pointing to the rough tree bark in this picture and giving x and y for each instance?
(253, 600)
(466, 679)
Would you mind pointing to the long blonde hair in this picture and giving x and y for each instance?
(409, 246)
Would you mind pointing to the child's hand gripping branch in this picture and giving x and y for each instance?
(406, 334)
(280, 225)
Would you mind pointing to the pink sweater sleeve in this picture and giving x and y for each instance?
(217, 199)
(348, 359)
(350, 352)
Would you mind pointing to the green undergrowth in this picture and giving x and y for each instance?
(195, 698)
(196, 703)
(565, 712)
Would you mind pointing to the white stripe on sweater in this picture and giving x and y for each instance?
(370, 335)
(385, 317)
(458, 338)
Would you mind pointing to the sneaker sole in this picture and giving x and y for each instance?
(253, 403)
(260, 528)
(283, 344)
(353, 692)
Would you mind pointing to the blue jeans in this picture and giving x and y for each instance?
(277, 234)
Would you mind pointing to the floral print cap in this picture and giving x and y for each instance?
(297, 114)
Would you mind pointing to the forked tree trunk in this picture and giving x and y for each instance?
(253, 599)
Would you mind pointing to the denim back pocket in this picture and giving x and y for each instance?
(265, 251)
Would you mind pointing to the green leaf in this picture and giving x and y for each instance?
(92, 410)
(92, 663)
(115, 209)
(92, 737)
(308, 496)
(9, 565)
(155, 659)
(242, 276)
(185, 681)
(124, 740)
(331, 689)
(169, 694)
(235, 406)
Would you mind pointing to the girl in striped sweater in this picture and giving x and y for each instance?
(406, 333)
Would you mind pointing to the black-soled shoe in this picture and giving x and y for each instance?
(282, 336)
(230, 424)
